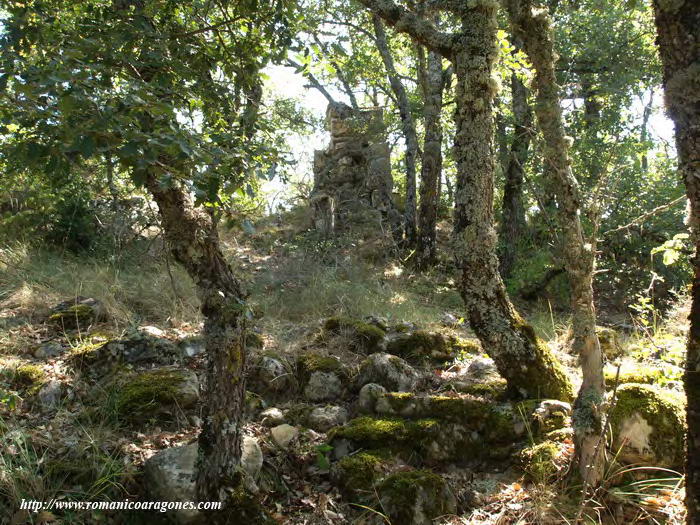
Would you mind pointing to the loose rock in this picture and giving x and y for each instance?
(323, 419)
(389, 371)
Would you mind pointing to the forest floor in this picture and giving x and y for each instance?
(66, 434)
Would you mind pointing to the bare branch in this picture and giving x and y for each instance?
(312, 80)
(646, 215)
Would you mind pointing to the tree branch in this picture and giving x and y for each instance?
(646, 215)
(312, 79)
(408, 22)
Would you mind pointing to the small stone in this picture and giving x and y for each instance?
(153, 331)
(323, 419)
(482, 367)
(50, 349)
(449, 320)
(272, 417)
(284, 434)
(51, 394)
(368, 397)
(323, 386)
(191, 346)
(252, 456)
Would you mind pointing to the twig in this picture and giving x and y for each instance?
(646, 215)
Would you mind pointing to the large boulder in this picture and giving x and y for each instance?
(648, 425)
(156, 393)
(416, 497)
(170, 475)
(389, 371)
(420, 345)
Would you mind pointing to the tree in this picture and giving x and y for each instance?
(513, 208)
(534, 28)
(409, 131)
(521, 358)
(678, 38)
(122, 93)
(433, 80)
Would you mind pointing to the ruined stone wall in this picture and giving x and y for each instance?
(352, 176)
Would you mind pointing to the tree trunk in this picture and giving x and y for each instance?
(534, 28)
(194, 243)
(409, 131)
(522, 359)
(513, 210)
(431, 168)
(678, 37)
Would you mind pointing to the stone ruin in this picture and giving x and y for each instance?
(352, 176)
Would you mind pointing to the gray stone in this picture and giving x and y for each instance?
(47, 350)
(191, 346)
(323, 386)
(272, 417)
(51, 394)
(448, 319)
(482, 367)
(271, 375)
(170, 475)
(284, 434)
(352, 176)
(252, 456)
(368, 397)
(388, 370)
(323, 419)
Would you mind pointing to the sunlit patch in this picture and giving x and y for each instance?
(393, 271)
(398, 298)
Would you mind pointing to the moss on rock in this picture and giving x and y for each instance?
(147, 393)
(538, 461)
(365, 336)
(29, 378)
(399, 435)
(493, 421)
(360, 471)
(543, 376)
(648, 426)
(415, 497)
(642, 375)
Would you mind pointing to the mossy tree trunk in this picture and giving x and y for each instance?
(192, 237)
(534, 29)
(513, 210)
(678, 37)
(524, 361)
(432, 84)
(409, 131)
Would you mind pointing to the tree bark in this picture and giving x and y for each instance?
(409, 131)
(534, 28)
(513, 210)
(194, 242)
(522, 359)
(678, 38)
(431, 168)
